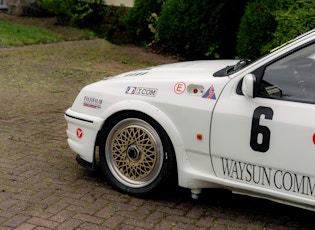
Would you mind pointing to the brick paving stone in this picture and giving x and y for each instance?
(195, 212)
(63, 216)
(25, 226)
(57, 207)
(132, 214)
(43, 222)
(69, 224)
(90, 226)
(89, 218)
(205, 221)
(156, 217)
(166, 224)
(136, 223)
(114, 221)
(171, 210)
(185, 226)
(16, 221)
(129, 227)
(180, 219)
(106, 212)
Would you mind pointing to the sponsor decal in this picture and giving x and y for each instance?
(92, 102)
(142, 91)
(268, 177)
(130, 90)
(139, 73)
(180, 87)
(79, 133)
(210, 94)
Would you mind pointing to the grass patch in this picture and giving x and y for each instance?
(18, 31)
(18, 35)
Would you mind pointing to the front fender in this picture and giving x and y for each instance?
(150, 110)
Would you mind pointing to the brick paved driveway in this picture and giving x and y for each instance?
(41, 185)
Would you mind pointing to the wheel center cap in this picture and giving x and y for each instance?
(133, 153)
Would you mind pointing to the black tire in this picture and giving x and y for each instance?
(136, 154)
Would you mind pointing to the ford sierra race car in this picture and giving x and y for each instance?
(246, 126)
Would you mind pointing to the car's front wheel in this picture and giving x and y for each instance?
(136, 154)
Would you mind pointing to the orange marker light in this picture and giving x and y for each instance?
(199, 136)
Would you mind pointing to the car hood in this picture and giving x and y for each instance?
(191, 80)
(179, 70)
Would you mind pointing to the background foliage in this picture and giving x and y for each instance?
(199, 28)
(256, 28)
(293, 18)
(77, 13)
(267, 24)
(196, 29)
(138, 19)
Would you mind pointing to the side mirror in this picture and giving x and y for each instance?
(249, 85)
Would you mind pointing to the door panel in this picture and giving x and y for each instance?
(277, 151)
(269, 141)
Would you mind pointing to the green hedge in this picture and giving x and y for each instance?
(138, 19)
(196, 29)
(267, 24)
(77, 13)
(256, 28)
(293, 18)
(200, 29)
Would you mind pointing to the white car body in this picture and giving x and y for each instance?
(225, 134)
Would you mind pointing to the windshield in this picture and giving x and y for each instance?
(228, 70)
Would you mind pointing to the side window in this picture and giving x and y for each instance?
(292, 77)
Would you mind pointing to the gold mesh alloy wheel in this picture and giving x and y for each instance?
(134, 153)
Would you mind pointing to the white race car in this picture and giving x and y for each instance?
(245, 126)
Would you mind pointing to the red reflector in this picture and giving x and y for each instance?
(199, 136)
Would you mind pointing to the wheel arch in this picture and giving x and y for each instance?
(147, 109)
(157, 115)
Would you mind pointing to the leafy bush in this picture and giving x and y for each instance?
(77, 13)
(35, 9)
(267, 24)
(256, 28)
(200, 29)
(114, 26)
(293, 18)
(138, 17)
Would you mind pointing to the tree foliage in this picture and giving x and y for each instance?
(138, 19)
(256, 28)
(77, 13)
(200, 29)
(196, 29)
(293, 18)
(267, 24)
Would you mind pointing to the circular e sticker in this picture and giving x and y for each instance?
(180, 87)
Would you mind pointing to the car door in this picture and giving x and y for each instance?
(266, 143)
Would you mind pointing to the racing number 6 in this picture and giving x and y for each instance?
(260, 135)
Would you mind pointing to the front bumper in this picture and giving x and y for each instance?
(82, 132)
